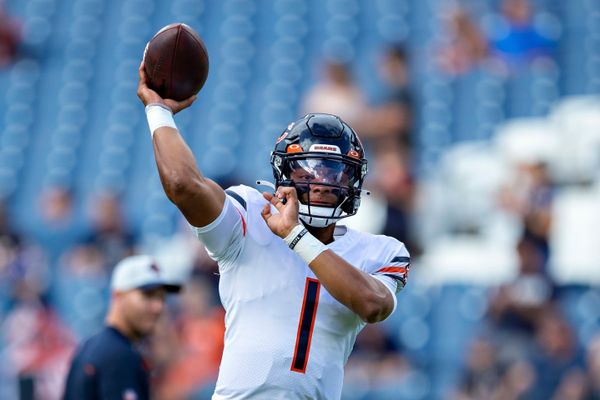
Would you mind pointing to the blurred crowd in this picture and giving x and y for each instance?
(54, 278)
(510, 41)
(10, 37)
(54, 273)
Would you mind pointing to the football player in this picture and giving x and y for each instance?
(296, 287)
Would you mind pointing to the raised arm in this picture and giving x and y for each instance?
(198, 198)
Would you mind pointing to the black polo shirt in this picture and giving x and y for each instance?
(107, 367)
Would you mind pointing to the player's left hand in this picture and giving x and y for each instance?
(281, 224)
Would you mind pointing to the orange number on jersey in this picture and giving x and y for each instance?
(306, 324)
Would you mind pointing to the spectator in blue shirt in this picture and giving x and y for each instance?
(108, 365)
(517, 39)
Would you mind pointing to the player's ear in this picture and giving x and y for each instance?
(116, 295)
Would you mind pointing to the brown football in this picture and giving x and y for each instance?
(176, 62)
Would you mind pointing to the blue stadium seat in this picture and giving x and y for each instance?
(297, 7)
(241, 7)
(139, 8)
(25, 71)
(73, 93)
(237, 26)
(40, 9)
(288, 49)
(15, 135)
(85, 27)
(73, 115)
(230, 92)
(20, 94)
(239, 48)
(93, 8)
(78, 70)
(134, 28)
(81, 48)
(37, 31)
(285, 71)
(223, 134)
(66, 136)
(118, 135)
(19, 114)
(8, 182)
(291, 25)
(192, 9)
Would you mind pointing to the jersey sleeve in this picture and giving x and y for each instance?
(393, 268)
(224, 237)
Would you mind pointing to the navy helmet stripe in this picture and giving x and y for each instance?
(401, 259)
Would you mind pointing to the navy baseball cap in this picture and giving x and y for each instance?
(140, 272)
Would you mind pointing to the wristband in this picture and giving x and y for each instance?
(304, 244)
(158, 116)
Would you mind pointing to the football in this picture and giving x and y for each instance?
(176, 62)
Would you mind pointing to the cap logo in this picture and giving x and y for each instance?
(155, 268)
(130, 394)
(326, 148)
(89, 369)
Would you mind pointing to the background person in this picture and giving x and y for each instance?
(108, 366)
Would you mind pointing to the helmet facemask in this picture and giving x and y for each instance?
(328, 185)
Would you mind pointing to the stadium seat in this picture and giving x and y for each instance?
(242, 7)
(472, 174)
(290, 25)
(577, 121)
(19, 113)
(93, 8)
(575, 257)
(187, 8)
(467, 259)
(237, 26)
(73, 93)
(40, 9)
(15, 135)
(66, 136)
(140, 8)
(528, 140)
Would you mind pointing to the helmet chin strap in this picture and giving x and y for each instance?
(318, 222)
(319, 217)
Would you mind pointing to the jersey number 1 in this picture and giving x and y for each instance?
(306, 324)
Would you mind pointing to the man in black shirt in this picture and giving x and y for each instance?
(108, 366)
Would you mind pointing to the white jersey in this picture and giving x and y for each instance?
(286, 337)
